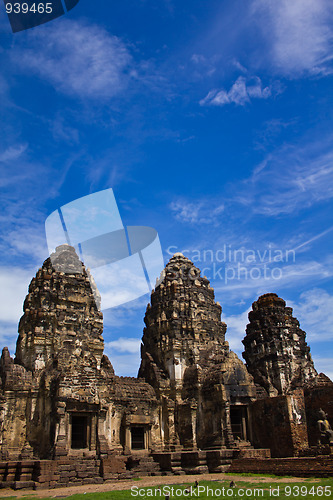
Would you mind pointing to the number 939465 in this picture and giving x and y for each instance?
(25, 8)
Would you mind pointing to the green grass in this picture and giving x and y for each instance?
(308, 490)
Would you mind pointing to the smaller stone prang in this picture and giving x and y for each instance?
(276, 353)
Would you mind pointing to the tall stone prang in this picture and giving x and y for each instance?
(186, 358)
(182, 320)
(276, 353)
(61, 317)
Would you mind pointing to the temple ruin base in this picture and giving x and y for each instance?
(45, 474)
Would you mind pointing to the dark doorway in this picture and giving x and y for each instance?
(238, 419)
(138, 438)
(79, 432)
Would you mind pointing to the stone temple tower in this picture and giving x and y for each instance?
(61, 397)
(202, 386)
(276, 353)
(61, 320)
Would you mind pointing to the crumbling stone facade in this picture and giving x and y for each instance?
(66, 418)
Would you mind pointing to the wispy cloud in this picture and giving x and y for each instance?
(12, 153)
(245, 281)
(205, 67)
(242, 92)
(303, 176)
(77, 59)
(314, 309)
(201, 212)
(314, 238)
(298, 35)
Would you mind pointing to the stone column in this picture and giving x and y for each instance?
(229, 436)
(174, 438)
(244, 423)
(128, 439)
(63, 432)
(93, 423)
(194, 425)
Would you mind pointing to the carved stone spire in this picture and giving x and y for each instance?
(61, 318)
(182, 320)
(276, 352)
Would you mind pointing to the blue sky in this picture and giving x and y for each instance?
(212, 122)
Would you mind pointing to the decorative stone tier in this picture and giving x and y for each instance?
(276, 353)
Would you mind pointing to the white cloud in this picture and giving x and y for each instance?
(13, 153)
(314, 309)
(206, 66)
(298, 34)
(126, 365)
(125, 345)
(78, 59)
(241, 93)
(202, 212)
(236, 330)
(8, 336)
(124, 354)
(14, 287)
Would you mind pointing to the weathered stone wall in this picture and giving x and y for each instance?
(279, 423)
